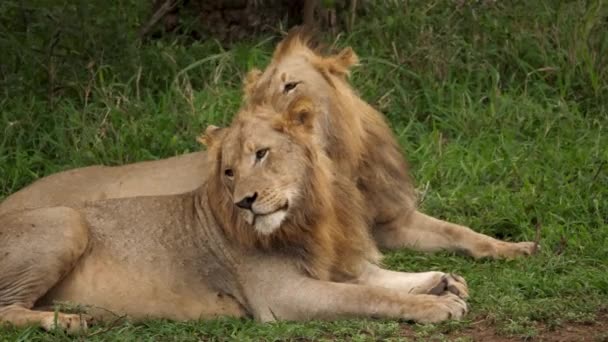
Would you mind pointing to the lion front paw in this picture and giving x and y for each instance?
(451, 283)
(71, 323)
(441, 308)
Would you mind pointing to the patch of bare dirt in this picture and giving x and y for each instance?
(483, 330)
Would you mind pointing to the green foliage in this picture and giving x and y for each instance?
(500, 107)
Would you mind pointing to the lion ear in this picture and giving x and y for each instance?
(342, 62)
(211, 135)
(249, 82)
(300, 113)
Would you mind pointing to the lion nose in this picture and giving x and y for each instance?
(247, 202)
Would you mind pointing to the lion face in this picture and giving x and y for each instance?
(293, 77)
(298, 71)
(264, 165)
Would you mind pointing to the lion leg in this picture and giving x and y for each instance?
(48, 320)
(294, 296)
(37, 249)
(316, 299)
(428, 234)
(436, 283)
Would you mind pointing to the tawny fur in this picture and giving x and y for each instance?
(76, 187)
(189, 256)
(354, 135)
(329, 231)
(358, 139)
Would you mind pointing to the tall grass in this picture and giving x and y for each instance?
(500, 107)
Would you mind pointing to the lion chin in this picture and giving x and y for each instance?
(266, 224)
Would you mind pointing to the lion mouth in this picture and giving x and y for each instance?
(256, 216)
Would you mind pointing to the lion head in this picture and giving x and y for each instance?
(265, 160)
(298, 69)
(354, 135)
(273, 187)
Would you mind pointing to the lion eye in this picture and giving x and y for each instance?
(261, 153)
(229, 173)
(290, 86)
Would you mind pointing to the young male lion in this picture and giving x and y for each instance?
(359, 140)
(354, 135)
(274, 229)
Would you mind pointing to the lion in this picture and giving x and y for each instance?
(359, 139)
(274, 231)
(354, 134)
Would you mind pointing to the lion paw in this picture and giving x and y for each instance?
(512, 250)
(71, 323)
(441, 308)
(451, 283)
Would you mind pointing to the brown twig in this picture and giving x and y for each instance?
(109, 327)
(165, 8)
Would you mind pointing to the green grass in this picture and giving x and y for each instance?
(501, 108)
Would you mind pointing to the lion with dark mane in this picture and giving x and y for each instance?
(275, 231)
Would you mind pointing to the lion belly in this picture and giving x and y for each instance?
(150, 257)
(109, 288)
